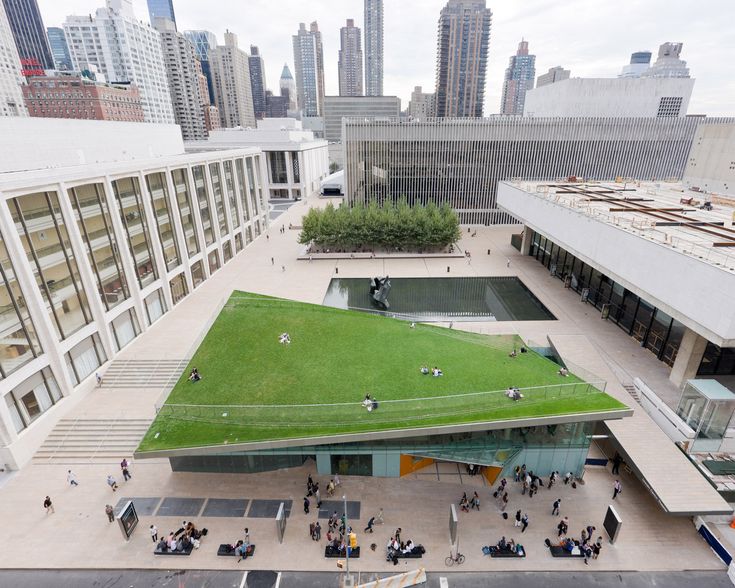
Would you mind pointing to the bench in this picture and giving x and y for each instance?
(559, 551)
(330, 551)
(225, 549)
(186, 551)
(495, 552)
(412, 555)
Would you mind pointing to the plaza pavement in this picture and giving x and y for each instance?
(79, 536)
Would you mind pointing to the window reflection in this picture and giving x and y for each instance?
(183, 200)
(200, 185)
(215, 173)
(159, 198)
(239, 168)
(231, 193)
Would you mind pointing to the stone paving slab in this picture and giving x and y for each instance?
(268, 509)
(145, 507)
(226, 507)
(329, 506)
(180, 507)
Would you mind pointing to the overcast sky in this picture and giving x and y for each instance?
(592, 38)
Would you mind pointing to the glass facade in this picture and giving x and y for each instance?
(32, 398)
(197, 273)
(183, 200)
(717, 361)
(178, 287)
(132, 214)
(226, 251)
(19, 343)
(200, 184)
(219, 204)
(41, 227)
(295, 169)
(230, 184)
(125, 328)
(158, 191)
(213, 261)
(155, 306)
(651, 327)
(85, 357)
(251, 186)
(240, 170)
(277, 167)
(93, 220)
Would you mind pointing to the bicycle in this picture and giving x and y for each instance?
(459, 558)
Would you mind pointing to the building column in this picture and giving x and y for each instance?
(688, 358)
(526, 241)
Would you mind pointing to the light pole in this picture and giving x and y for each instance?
(348, 583)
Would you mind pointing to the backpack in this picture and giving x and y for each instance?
(486, 550)
(548, 542)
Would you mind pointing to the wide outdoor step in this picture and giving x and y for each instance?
(143, 373)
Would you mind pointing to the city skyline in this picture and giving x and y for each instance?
(410, 51)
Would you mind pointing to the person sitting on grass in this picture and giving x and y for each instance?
(563, 371)
(424, 370)
(368, 402)
(436, 372)
(195, 376)
(513, 353)
(284, 338)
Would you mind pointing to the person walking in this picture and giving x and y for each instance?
(555, 510)
(283, 268)
(112, 483)
(273, 261)
(524, 523)
(98, 378)
(317, 495)
(617, 461)
(563, 527)
(518, 519)
(369, 528)
(110, 512)
(309, 485)
(505, 502)
(48, 505)
(306, 505)
(124, 466)
(317, 532)
(154, 533)
(617, 489)
(597, 548)
(72, 479)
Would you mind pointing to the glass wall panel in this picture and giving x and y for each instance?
(659, 332)
(197, 273)
(129, 200)
(32, 398)
(226, 251)
(238, 243)
(295, 168)
(230, 184)
(125, 328)
(642, 320)
(93, 219)
(627, 311)
(42, 230)
(155, 306)
(277, 167)
(158, 191)
(183, 199)
(200, 184)
(85, 357)
(216, 175)
(259, 184)
(178, 288)
(18, 343)
(252, 186)
(240, 169)
(671, 348)
(213, 261)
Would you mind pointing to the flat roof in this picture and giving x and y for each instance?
(712, 389)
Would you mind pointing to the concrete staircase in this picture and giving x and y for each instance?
(89, 440)
(143, 373)
(631, 389)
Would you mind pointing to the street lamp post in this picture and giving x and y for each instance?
(348, 583)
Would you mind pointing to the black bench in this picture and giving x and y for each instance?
(559, 551)
(186, 551)
(225, 549)
(411, 555)
(495, 552)
(330, 551)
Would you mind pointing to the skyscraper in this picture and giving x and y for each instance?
(668, 64)
(203, 41)
(124, 49)
(183, 70)
(307, 79)
(11, 95)
(519, 77)
(287, 86)
(461, 61)
(231, 76)
(555, 74)
(640, 61)
(350, 60)
(314, 32)
(373, 47)
(59, 48)
(257, 81)
(422, 104)
(30, 36)
(161, 9)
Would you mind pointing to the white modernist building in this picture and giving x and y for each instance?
(123, 49)
(11, 96)
(296, 162)
(647, 256)
(711, 163)
(98, 239)
(461, 161)
(623, 97)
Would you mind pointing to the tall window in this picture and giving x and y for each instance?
(251, 185)
(215, 172)
(93, 219)
(259, 183)
(127, 193)
(200, 184)
(229, 182)
(41, 227)
(239, 168)
(277, 167)
(295, 168)
(19, 343)
(159, 199)
(32, 398)
(183, 199)
(85, 357)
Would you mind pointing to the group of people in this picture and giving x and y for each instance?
(370, 403)
(514, 393)
(284, 339)
(397, 548)
(312, 489)
(515, 352)
(466, 504)
(436, 372)
(242, 547)
(186, 538)
(195, 376)
(508, 546)
(585, 544)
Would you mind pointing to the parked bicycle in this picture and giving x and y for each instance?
(450, 561)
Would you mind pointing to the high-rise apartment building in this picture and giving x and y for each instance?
(203, 41)
(555, 74)
(30, 36)
(422, 104)
(161, 9)
(461, 61)
(184, 74)
(231, 77)
(306, 63)
(257, 82)
(350, 60)
(669, 63)
(373, 47)
(314, 32)
(123, 49)
(287, 86)
(59, 48)
(519, 77)
(11, 79)
(640, 61)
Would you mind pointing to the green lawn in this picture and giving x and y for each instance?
(256, 389)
